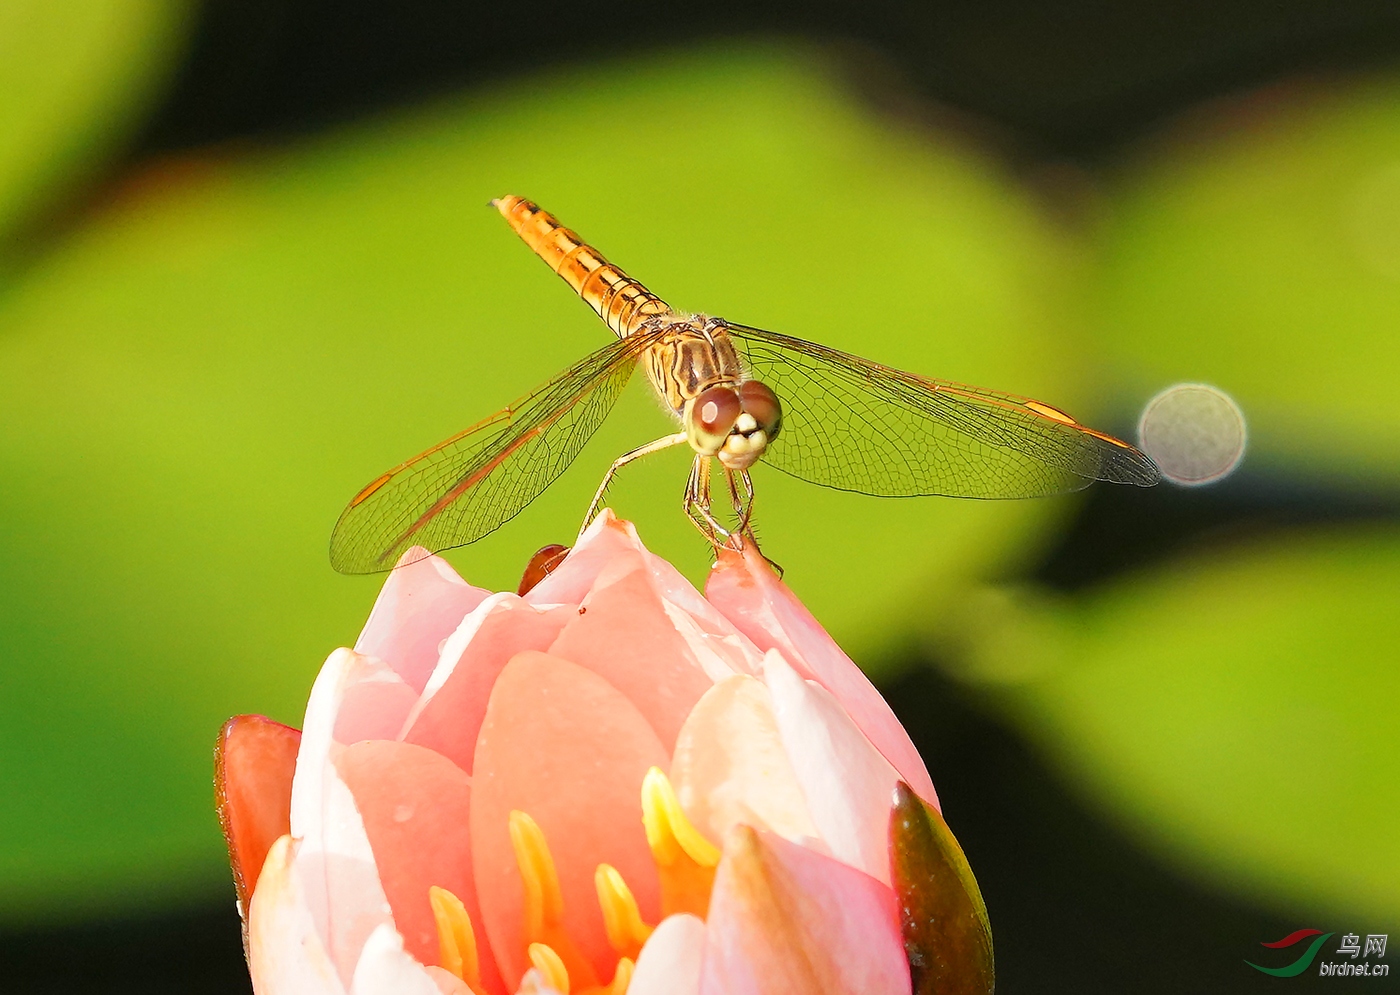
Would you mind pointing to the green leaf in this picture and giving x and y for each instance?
(1238, 710)
(73, 76)
(1261, 253)
(198, 382)
(947, 934)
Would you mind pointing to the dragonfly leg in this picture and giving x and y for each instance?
(651, 447)
(743, 507)
(697, 504)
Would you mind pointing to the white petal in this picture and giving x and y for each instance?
(385, 968)
(730, 765)
(847, 783)
(341, 882)
(285, 953)
(669, 963)
(335, 863)
(719, 634)
(766, 611)
(533, 983)
(317, 736)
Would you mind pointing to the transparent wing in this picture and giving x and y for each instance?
(476, 481)
(855, 425)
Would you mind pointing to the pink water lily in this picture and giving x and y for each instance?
(609, 784)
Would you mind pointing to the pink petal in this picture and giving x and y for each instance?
(450, 716)
(448, 983)
(719, 648)
(847, 783)
(623, 634)
(668, 582)
(761, 606)
(374, 703)
(670, 962)
(604, 539)
(720, 654)
(787, 921)
(730, 765)
(253, 765)
(418, 607)
(416, 809)
(609, 540)
(564, 746)
(385, 968)
(285, 952)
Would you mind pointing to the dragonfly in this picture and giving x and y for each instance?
(738, 394)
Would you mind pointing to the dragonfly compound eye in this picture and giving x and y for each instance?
(763, 404)
(755, 427)
(710, 418)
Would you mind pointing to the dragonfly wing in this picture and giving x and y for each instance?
(476, 481)
(855, 425)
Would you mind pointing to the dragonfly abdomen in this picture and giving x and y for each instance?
(618, 299)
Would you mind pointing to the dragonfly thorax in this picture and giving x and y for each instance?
(692, 355)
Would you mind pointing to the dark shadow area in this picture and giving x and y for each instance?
(1121, 529)
(194, 951)
(1070, 78)
(1075, 906)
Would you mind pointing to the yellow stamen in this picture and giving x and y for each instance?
(550, 966)
(685, 860)
(544, 903)
(667, 824)
(621, 917)
(456, 939)
(622, 977)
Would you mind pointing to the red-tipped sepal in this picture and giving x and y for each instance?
(947, 935)
(253, 763)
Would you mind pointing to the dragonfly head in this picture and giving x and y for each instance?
(734, 423)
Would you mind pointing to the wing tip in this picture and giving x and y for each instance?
(351, 563)
(356, 563)
(1130, 466)
(346, 551)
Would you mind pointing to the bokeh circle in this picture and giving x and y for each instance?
(1194, 432)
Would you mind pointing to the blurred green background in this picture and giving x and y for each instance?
(245, 264)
